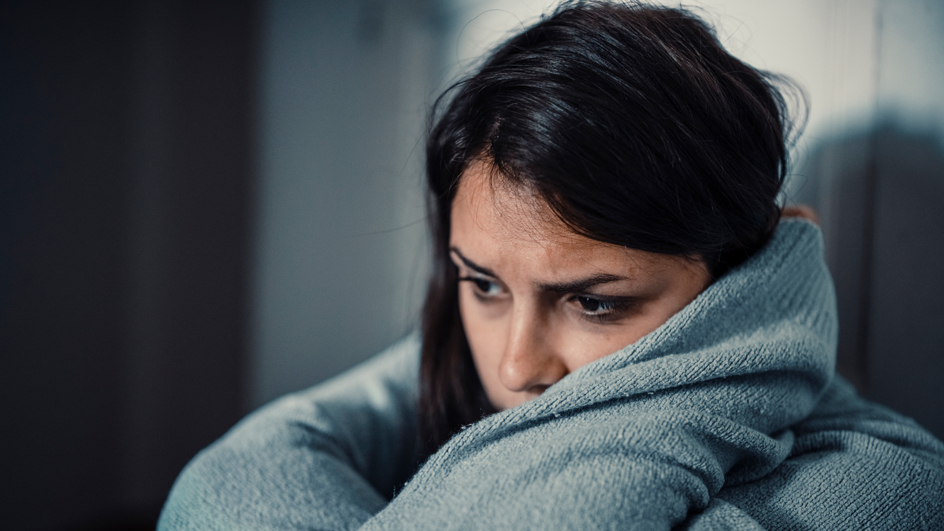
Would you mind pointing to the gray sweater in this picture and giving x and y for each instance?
(726, 417)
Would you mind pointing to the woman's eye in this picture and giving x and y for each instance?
(483, 287)
(591, 305)
(601, 310)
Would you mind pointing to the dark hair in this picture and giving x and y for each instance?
(635, 126)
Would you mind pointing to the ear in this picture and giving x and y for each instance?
(800, 211)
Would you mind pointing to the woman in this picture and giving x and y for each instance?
(620, 332)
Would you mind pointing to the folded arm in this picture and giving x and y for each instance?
(325, 458)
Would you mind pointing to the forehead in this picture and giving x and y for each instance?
(485, 201)
(506, 224)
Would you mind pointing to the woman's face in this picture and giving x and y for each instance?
(539, 301)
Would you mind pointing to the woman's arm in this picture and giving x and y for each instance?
(854, 465)
(325, 458)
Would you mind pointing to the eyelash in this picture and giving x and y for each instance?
(481, 294)
(609, 310)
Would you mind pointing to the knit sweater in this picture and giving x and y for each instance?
(728, 416)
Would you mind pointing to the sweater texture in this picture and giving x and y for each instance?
(728, 416)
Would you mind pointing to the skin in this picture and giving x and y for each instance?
(538, 301)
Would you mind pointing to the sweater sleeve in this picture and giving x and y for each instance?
(325, 458)
(647, 462)
(854, 465)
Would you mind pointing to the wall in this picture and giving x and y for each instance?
(879, 181)
(124, 229)
(340, 255)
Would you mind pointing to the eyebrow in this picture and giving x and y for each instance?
(581, 284)
(570, 286)
(472, 265)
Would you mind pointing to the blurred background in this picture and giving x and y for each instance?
(206, 205)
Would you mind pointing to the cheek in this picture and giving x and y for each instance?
(486, 337)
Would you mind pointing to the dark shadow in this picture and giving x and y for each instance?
(125, 212)
(880, 194)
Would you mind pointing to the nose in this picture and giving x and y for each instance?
(530, 361)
